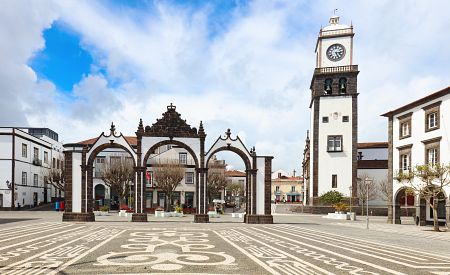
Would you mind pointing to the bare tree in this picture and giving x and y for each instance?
(118, 174)
(55, 177)
(168, 175)
(430, 184)
(216, 178)
(384, 189)
(365, 188)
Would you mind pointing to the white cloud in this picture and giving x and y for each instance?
(252, 76)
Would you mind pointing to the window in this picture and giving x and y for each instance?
(46, 157)
(183, 158)
(292, 188)
(325, 119)
(432, 147)
(333, 181)
(149, 179)
(432, 156)
(24, 178)
(334, 143)
(432, 113)
(432, 120)
(24, 150)
(405, 162)
(35, 180)
(115, 160)
(169, 146)
(277, 188)
(100, 160)
(57, 164)
(343, 85)
(149, 200)
(54, 163)
(345, 119)
(35, 153)
(189, 178)
(404, 129)
(328, 86)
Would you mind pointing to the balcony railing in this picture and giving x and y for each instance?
(336, 32)
(339, 69)
(37, 162)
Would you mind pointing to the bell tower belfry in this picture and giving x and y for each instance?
(334, 113)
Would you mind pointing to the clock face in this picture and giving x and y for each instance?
(335, 52)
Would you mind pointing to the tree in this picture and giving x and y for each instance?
(430, 183)
(236, 189)
(216, 183)
(118, 174)
(168, 174)
(331, 197)
(55, 177)
(384, 189)
(364, 188)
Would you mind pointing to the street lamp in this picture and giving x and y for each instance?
(367, 181)
(8, 184)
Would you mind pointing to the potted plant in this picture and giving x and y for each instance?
(340, 207)
(104, 210)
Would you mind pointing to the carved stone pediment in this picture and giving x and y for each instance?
(171, 125)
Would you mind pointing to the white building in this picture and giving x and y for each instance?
(29, 159)
(334, 113)
(419, 133)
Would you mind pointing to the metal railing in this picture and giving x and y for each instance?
(37, 162)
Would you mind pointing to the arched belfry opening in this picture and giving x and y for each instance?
(169, 137)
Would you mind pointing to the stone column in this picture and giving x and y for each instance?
(68, 181)
(390, 172)
(421, 212)
(138, 215)
(447, 213)
(397, 213)
(201, 216)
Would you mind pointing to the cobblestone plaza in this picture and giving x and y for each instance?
(38, 243)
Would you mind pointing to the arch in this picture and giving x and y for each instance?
(98, 149)
(238, 151)
(168, 142)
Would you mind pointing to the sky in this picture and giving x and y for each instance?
(76, 66)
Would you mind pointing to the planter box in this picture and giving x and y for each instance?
(337, 216)
(237, 215)
(123, 213)
(213, 214)
(159, 213)
(352, 216)
(176, 214)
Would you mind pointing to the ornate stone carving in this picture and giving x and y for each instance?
(171, 125)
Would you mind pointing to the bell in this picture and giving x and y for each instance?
(342, 86)
(328, 88)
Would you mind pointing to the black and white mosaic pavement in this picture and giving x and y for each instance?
(51, 247)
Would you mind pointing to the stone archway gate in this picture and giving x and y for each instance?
(170, 129)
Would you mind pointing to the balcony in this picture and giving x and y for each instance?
(338, 69)
(37, 162)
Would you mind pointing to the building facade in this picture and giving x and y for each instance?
(334, 113)
(287, 188)
(419, 133)
(31, 167)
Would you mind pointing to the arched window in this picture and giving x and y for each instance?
(328, 86)
(343, 85)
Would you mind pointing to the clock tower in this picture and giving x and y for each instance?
(334, 113)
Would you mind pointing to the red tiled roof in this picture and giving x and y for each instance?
(370, 145)
(131, 140)
(234, 173)
(288, 178)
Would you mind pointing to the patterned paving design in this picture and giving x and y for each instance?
(123, 248)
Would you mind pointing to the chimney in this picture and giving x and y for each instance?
(279, 175)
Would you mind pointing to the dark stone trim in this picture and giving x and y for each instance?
(354, 141)
(13, 168)
(83, 181)
(419, 102)
(405, 147)
(433, 108)
(432, 140)
(267, 185)
(432, 105)
(139, 217)
(78, 217)
(259, 219)
(405, 116)
(201, 218)
(315, 147)
(390, 171)
(68, 181)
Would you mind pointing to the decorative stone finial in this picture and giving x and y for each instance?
(113, 129)
(141, 126)
(171, 107)
(228, 133)
(307, 134)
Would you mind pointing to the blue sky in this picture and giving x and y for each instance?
(75, 66)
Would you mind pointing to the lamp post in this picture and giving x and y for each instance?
(10, 186)
(367, 181)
